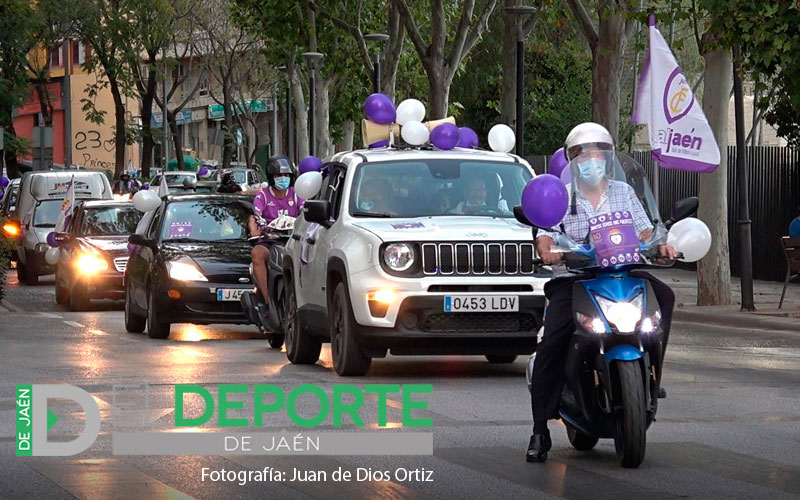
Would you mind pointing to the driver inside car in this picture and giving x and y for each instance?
(590, 145)
(276, 200)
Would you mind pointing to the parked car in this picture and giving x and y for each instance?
(8, 203)
(248, 179)
(41, 194)
(94, 253)
(191, 264)
(414, 252)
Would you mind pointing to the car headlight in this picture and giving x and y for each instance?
(91, 263)
(623, 315)
(182, 271)
(399, 256)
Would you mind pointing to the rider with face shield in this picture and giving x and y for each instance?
(598, 187)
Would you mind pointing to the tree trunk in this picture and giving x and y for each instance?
(438, 92)
(45, 104)
(322, 119)
(227, 128)
(713, 271)
(508, 110)
(300, 117)
(607, 63)
(12, 170)
(392, 60)
(349, 127)
(177, 140)
(119, 131)
(147, 130)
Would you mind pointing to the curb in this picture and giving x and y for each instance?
(735, 319)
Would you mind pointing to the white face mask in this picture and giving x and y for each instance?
(366, 205)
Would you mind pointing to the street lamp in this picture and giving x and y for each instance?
(289, 124)
(376, 69)
(312, 60)
(520, 11)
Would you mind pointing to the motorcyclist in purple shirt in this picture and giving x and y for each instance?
(270, 203)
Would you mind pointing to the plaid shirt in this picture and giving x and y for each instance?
(618, 197)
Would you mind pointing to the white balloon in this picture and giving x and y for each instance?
(145, 201)
(52, 255)
(415, 133)
(691, 237)
(410, 110)
(307, 185)
(502, 138)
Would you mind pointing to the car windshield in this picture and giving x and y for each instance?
(109, 221)
(437, 188)
(46, 213)
(240, 176)
(173, 179)
(201, 220)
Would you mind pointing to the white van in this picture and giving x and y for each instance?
(41, 194)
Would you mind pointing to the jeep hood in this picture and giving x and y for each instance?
(456, 228)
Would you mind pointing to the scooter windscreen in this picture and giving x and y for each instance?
(612, 216)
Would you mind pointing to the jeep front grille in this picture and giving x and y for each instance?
(494, 322)
(477, 258)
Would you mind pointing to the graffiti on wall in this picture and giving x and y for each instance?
(93, 151)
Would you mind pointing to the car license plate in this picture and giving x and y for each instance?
(230, 294)
(481, 303)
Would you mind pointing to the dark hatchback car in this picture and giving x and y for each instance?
(191, 264)
(94, 253)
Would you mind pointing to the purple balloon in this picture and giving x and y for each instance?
(380, 144)
(146, 186)
(468, 138)
(545, 200)
(379, 109)
(566, 176)
(445, 136)
(310, 164)
(2, 193)
(557, 162)
(203, 172)
(4, 181)
(51, 239)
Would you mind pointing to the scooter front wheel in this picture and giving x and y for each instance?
(276, 341)
(630, 440)
(579, 440)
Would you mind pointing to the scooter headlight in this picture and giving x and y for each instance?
(622, 315)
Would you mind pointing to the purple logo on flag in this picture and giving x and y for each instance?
(678, 97)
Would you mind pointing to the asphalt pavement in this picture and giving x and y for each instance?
(729, 428)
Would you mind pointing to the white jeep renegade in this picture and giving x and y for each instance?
(414, 251)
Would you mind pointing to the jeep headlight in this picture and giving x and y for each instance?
(399, 257)
(623, 315)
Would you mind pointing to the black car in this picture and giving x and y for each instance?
(191, 264)
(94, 252)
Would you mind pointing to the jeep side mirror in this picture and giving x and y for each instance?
(682, 209)
(139, 239)
(317, 211)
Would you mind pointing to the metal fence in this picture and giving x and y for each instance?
(774, 185)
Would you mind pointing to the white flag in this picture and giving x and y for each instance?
(163, 188)
(65, 214)
(680, 135)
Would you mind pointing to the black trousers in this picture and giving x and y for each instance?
(551, 353)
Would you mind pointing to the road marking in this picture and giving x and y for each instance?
(553, 477)
(73, 323)
(49, 315)
(92, 479)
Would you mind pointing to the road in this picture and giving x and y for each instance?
(729, 429)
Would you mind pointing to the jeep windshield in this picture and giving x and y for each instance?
(437, 187)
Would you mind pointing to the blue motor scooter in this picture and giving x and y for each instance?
(616, 351)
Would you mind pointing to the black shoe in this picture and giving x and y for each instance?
(662, 393)
(539, 446)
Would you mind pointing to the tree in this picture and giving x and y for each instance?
(607, 42)
(17, 25)
(514, 26)
(440, 64)
(105, 25)
(262, 82)
(222, 46)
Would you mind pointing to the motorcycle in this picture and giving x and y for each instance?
(268, 318)
(616, 352)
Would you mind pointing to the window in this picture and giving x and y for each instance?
(206, 221)
(333, 193)
(109, 221)
(55, 57)
(202, 90)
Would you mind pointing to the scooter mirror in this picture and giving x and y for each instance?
(682, 209)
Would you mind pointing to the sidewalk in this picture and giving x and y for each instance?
(766, 295)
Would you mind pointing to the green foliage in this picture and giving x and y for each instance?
(7, 249)
(17, 25)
